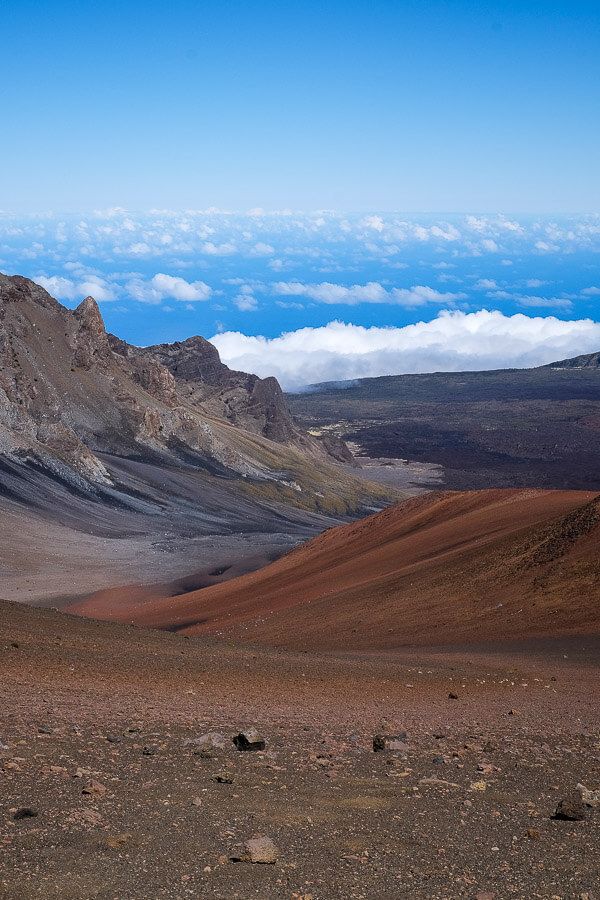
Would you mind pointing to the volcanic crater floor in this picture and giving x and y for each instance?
(94, 719)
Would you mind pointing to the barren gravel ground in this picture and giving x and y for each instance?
(463, 809)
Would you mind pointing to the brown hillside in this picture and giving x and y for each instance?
(446, 568)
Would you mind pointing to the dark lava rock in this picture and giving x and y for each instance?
(249, 740)
(149, 750)
(452, 696)
(25, 812)
(572, 808)
(382, 742)
(114, 738)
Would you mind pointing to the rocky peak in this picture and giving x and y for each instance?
(268, 402)
(90, 340)
(89, 315)
(194, 359)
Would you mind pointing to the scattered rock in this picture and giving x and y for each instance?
(590, 798)
(571, 809)
(478, 786)
(384, 742)
(114, 738)
(212, 740)
(223, 778)
(116, 841)
(259, 849)
(94, 788)
(249, 740)
(452, 696)
(25, 812)
(149, 750)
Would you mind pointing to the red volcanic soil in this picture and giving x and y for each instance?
(448, 568)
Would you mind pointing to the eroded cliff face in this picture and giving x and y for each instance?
(69, 392)
(256, 404)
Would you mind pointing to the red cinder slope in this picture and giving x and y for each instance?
(445, 568)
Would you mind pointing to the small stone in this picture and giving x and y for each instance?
(571, 809)
(478, 786)
(116, 841)
(385, 742)
(114, 738)
(223, 778)
(149, 750)
(45, 729)
(25, 812)
(94, 788)
(259, 849)
(533, 834)
(590, 798)
(249, 740)
(212, 740)
(452, 696)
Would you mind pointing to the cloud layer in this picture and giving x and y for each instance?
(454, 341)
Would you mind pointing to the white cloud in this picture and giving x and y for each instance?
(372, 292)
(139, 248)
(162, 286)
(591, 292)
(376, 223)
(454, 341)
(245, 300)
(486, 284)
(546, 302)
(62, 288)
(262, 249)
(69, 289)
(212, 249)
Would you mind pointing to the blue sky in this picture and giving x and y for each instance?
(417, 106)
(326, 189)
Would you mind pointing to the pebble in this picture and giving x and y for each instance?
(259, 849)
(571, 809)
(212, 740)
(385, 742)
(94, 788)
(249, 739)
(590, 798)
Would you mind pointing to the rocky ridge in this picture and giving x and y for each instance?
(70, 393)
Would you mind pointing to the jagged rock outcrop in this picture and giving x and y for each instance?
(70, 393)
(254, 403)
(90, 342)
